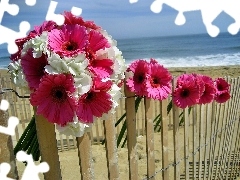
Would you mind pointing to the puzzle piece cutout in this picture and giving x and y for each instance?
(30, 2)
(4, 105)
(58, 18)
(12, 121)
(8, 35)
(31, 171)
(209, 10)
(133, 1)
(4, 170)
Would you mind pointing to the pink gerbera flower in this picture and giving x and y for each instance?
(199, 82)
(222, 85)
(33, 68)
(223, 90)
(137, 83)
(68, 41)
(101, 68)
(187, 92)
(158, 85)
(94, 103)
(54, 100)
(46, 26)
(222, 97)
(72, 19)
(209, 90)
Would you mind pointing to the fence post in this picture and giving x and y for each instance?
(111, 149)
(131, 134)
(85, 157)
(48, 147)
(6, 147)
(175, 111)
(148, 104)
(164, 138)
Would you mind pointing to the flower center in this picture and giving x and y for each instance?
(185, 93)
(155, 82)
(139, 78)
(90, 96)
(59, 94)
(219, 87)
(69, 46)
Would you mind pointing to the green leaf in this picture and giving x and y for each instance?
(169, 107)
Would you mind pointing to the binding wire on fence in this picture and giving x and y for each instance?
(204, 146)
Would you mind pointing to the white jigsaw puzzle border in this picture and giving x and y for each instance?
(210, 10)
(9, 36)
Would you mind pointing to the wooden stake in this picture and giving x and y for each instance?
(85, 157)
(148, 103)
(131, 134)
(111, 149)
(164, 138)
(48, 147)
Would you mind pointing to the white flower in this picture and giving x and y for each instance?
(83, 83)
(74, 65)
(116, 94)
(115, 55)
(38, 44)
(17, 75)
(74, 128)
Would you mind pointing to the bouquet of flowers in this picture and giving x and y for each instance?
(73, 71)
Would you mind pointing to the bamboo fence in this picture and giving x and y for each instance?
(208, 148)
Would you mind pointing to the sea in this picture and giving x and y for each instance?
(174, 51)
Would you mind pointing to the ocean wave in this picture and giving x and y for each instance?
(198, 61)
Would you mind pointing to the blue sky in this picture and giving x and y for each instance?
(120, 18)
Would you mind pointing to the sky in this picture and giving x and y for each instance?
(119, 18)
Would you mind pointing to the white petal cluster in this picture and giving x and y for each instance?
(17, 75)
(74, 128)
(38, 44)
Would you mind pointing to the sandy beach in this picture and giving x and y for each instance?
(69, 159)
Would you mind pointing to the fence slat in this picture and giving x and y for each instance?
(208, 126)
(186, 145)
(164, 137)
(85, 157)
(131, 134)
(111, 149)
(149, 112)
(61, 142)
(194, 136)
(48, 147)
(176, 140)
(175, 111)
(215, 155)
